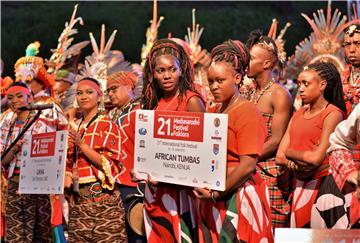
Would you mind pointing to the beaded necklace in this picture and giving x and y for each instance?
(354, 77)
(261, 93)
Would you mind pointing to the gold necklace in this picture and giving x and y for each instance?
(261, 93)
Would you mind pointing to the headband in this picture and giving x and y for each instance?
(16, 89)
(92, 84)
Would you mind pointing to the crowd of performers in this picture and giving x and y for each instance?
(288, 165)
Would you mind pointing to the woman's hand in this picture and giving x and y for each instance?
(75, 138)
(202, 193)
(67, 181)
(134, 177)
(281, 161)
(353, 178)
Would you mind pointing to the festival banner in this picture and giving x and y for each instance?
(43, 162)
(184, 148)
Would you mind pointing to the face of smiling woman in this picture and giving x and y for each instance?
(87, 97)
(17, 100)
(167, 74)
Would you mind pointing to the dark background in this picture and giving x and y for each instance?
(25, 22)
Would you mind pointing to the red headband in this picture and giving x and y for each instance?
(16, 89)
(92, 84)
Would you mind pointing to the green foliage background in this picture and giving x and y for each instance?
(25, 22)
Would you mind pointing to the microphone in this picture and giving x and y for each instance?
(36, 107)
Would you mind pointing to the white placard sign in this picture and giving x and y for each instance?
(185, 148)
(43, 162)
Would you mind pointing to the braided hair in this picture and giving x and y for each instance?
(333, 92)
(257, 38)
(233, 52)
(152, 92)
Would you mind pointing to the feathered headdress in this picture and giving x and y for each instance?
(279, 41)
(323, 44)
(32, 67)
(193, 37)
(151, 34)
(103, 61)
(65, 54)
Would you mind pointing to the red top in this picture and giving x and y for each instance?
(246, 132)
(128, 132)
(174, 104)
(102, 136)
(305, 133)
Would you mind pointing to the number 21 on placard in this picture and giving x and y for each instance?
(162, 129)
(36, 146)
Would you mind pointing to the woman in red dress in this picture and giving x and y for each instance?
(168, 85)
(317, 201)
(242, 212)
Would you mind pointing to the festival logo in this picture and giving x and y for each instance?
(217, 122)
(142, 131)
(216, 149)
(143, 118)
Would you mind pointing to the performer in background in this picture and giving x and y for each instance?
(96, 214)
(275, 104)
(120, 88)
(351, 74)
(246, 197)
(317, 202)
(168, 85)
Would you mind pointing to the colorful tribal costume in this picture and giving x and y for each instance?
(121, 88)
(344, 161)
(97, 213)
(274, 103)
(27, 216)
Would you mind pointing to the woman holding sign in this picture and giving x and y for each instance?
(242, 211)
(96, 214)
(168, 85)
(27, 215)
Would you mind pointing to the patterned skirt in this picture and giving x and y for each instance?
(319, 204)
(243, 217)
(278, 180)
(97, 217)
(27, 216)
(170, 214)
